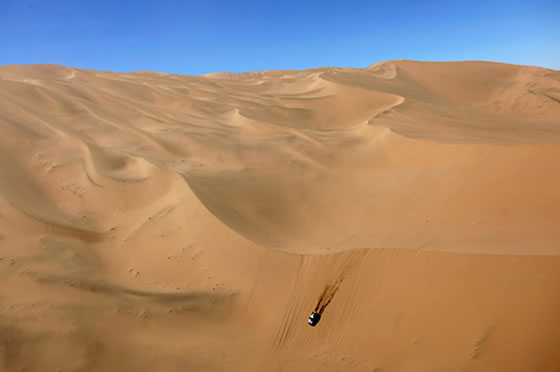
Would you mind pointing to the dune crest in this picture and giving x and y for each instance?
(245, 141)
(211, 214)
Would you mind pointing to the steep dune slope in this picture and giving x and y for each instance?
(167, 222)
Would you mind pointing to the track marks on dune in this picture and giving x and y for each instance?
(478, 344)
(309, 280)
(291, 313)
(328, 295)
(349, 261)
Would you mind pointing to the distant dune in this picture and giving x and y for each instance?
(163, 222)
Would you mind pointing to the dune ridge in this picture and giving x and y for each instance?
(171, 222)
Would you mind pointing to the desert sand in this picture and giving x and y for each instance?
(157, 222)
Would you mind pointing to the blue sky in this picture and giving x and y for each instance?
(195, 37)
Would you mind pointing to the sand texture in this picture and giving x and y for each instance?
(157, 222)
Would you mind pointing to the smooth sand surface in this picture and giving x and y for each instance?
(155, 222)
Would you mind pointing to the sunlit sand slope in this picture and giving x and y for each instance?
(164, 222)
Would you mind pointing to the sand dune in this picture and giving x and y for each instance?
(164, 222)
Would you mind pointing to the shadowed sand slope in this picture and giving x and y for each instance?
(167, 222)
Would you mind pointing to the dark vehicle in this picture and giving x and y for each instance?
(314, 319)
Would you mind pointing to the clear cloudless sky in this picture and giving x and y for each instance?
(195, 37)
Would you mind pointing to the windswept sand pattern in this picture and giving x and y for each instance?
(163, 222)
